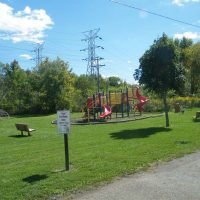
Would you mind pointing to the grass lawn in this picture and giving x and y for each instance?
(32, 167)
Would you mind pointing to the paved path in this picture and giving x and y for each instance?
(175, 180)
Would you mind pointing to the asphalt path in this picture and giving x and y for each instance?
(175, 180)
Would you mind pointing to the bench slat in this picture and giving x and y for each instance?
(31, 129)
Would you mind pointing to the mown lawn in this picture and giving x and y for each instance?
(33, 167)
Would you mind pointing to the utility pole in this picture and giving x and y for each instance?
(93, 64)
(38, 54)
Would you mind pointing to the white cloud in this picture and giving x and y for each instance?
(109, 75)
(26, 56)
(189, 35)
(143, 14)
(183, 2)
(104, 76)
(25, 25)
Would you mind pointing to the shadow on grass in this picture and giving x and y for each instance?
(138, 133)
(33, 115)
(196, 120)
(182, 142)
(34, 178)
(19, 136)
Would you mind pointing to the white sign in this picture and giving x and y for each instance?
(63, 121)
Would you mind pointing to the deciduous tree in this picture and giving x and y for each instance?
(160, 70)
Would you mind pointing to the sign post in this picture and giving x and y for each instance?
(63, 122)
(66, 152)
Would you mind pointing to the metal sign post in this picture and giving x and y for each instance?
(66, 152)
(63, 122)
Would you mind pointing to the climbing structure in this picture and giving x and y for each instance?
(120, 102)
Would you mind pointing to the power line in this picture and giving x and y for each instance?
(4, 46)
(61, 44)
(153, 13)
(54, 52)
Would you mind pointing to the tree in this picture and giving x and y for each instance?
(2, 82)
(86, 84)
(192, 61)
(184, 45)
(15, 84)
(56, 85)
(160, 70)
(115, 81)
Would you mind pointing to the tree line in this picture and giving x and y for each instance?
(49, 87)
(168, 65)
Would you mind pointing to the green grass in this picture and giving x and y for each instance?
(32, 167)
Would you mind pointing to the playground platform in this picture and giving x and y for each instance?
(114, 119)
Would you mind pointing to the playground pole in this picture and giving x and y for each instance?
(122, 104)
(93, 107)
(98, 81)
(109, 99)
(100, 103)
(127, 102)
(115, 99)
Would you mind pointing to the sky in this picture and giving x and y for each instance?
(59, 25)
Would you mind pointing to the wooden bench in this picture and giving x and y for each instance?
(24, 127)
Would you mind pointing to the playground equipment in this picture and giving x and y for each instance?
(107, 112)
(101, 106)
(142, 101)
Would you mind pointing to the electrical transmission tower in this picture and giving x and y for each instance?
(90, 37)
(38, 54)
(93, 61)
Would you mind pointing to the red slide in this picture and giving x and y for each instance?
(107, 112)
(142, 99)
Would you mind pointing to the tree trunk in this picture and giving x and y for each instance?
(166, 108)
(192, 82)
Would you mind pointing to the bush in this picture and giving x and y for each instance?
(188, 101)
(153, 105)
(156, 105)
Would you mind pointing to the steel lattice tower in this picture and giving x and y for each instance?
(93, 60)
(38, 54)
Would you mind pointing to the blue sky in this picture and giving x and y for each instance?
(126, 33)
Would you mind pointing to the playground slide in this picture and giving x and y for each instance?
(107, 112)
(142, 101)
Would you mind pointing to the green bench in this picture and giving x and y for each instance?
(24, 127)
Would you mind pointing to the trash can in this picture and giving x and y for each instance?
(177, 108)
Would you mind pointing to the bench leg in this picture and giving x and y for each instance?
(29, 133)
(22, 133)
